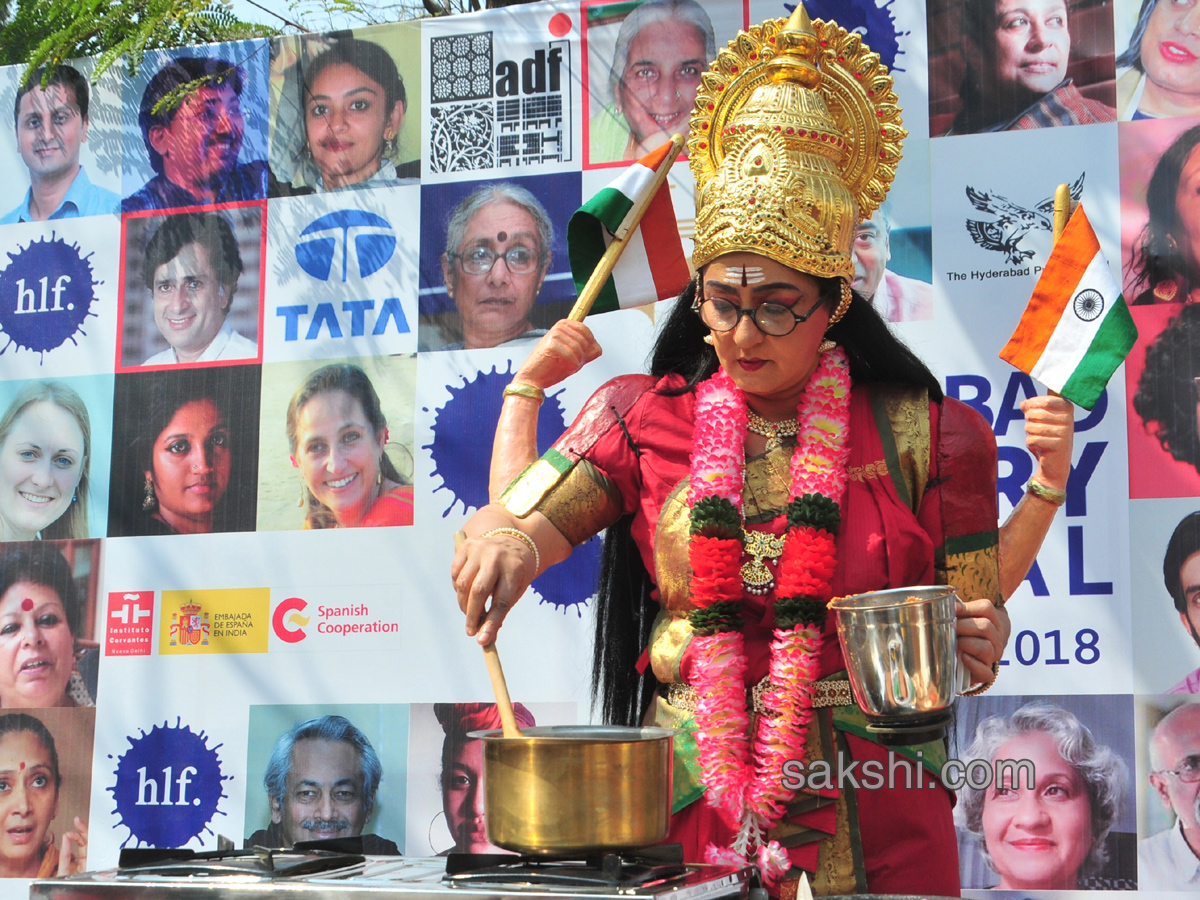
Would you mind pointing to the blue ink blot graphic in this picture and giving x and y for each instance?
(46, 292)
(462, 453)
(873, 21)
(168, 786)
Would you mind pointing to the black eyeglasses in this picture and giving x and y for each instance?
(772, 319)
(1188, 770)
(479, 260)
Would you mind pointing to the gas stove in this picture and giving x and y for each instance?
(308, 874)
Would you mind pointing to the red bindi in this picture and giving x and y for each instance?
(22, 767)
(27, 604)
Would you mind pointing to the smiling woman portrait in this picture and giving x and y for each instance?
(185, 457)
(1159, 72)
(45, 459)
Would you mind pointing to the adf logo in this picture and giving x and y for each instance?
(221, 621)
(288, 623)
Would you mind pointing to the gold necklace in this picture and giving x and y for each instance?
(772, 431)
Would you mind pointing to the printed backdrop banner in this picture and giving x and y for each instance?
(287, 306)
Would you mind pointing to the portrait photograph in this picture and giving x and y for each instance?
(1075, 828)
(209, 148)
(1158, 59)
(49, 633)
(336, 443)
(1164, 572)
(643, 66)
(46, 784)
(494, 265)
(55, 443)
(322, 771)
(1005, 65)
(191, 289)
(345, 110)
(1168, 780)
(445, 772)
(185, 451)
(62, 144)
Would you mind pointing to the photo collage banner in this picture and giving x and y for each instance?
(241, 320)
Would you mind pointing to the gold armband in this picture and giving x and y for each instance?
(1049, 494)
(521, 389)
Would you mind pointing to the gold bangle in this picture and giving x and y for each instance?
(521, 389)
(1049, 494)
(523, 538)
(975, 692)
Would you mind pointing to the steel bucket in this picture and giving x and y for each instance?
(577, 788)
(900, 652)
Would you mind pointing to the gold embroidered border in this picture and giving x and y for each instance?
(583, 504)
(876, 469)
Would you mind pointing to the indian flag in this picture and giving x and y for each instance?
(652, 266)
(1076, 330)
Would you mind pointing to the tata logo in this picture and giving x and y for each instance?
(287, 621)
(324, 249)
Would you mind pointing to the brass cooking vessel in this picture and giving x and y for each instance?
(577, 788)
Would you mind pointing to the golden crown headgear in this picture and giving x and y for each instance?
(794, 141)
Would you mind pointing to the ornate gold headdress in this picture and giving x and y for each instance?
(794, 141)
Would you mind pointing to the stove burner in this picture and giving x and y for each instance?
(638, 869)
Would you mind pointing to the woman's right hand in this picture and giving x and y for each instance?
(565, 349)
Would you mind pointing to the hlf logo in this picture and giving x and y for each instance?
(324, 250)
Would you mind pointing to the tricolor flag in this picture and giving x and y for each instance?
(653, 266)
(1076, 329)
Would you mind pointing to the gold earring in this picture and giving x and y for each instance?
(303, 502)
(708, 339)
(826, 345)
(842, 306)
(149, 500)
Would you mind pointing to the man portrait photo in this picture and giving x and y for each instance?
(895, 297)
(1181, 575)
(321, 782)
(195, 138)
(190, 268)
(51, 122)
(1170, 859)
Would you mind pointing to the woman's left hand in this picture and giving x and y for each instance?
(983, 630)
(72, 857)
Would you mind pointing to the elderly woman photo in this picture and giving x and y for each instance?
(41, 616)
(45, 456)
(1159, 72)
(184, 452)
(30, 785)
(662, 48)
(338, 437)
(1016, 55)
(1044, 826)
(354, 102)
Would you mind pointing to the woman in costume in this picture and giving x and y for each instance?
(29, 786)
(40, 615)
(1050, 837)
(1166, 260)
(338, 437)
(738, 441)
(662, 48)
(45, 455)
(354, 105)
(461, 778)
(1159, 72)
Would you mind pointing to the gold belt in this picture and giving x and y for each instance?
(834, 692)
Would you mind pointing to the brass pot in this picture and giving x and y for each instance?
(577, 788)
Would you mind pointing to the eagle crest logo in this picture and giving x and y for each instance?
(1012, 222)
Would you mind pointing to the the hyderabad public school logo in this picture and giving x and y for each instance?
(287, 621)
(1012, 221)
(325, 250)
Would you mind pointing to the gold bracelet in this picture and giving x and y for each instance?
(521, 389)
(525, 539)
(975, 692)
(1049, 494)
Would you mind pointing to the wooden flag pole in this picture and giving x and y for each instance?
(1063, 207)
(599, 276)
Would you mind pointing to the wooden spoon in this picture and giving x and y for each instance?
(508, 721)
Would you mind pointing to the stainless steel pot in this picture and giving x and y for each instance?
(900, 652)
(577, 788)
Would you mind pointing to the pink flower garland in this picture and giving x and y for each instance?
(744, 779)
